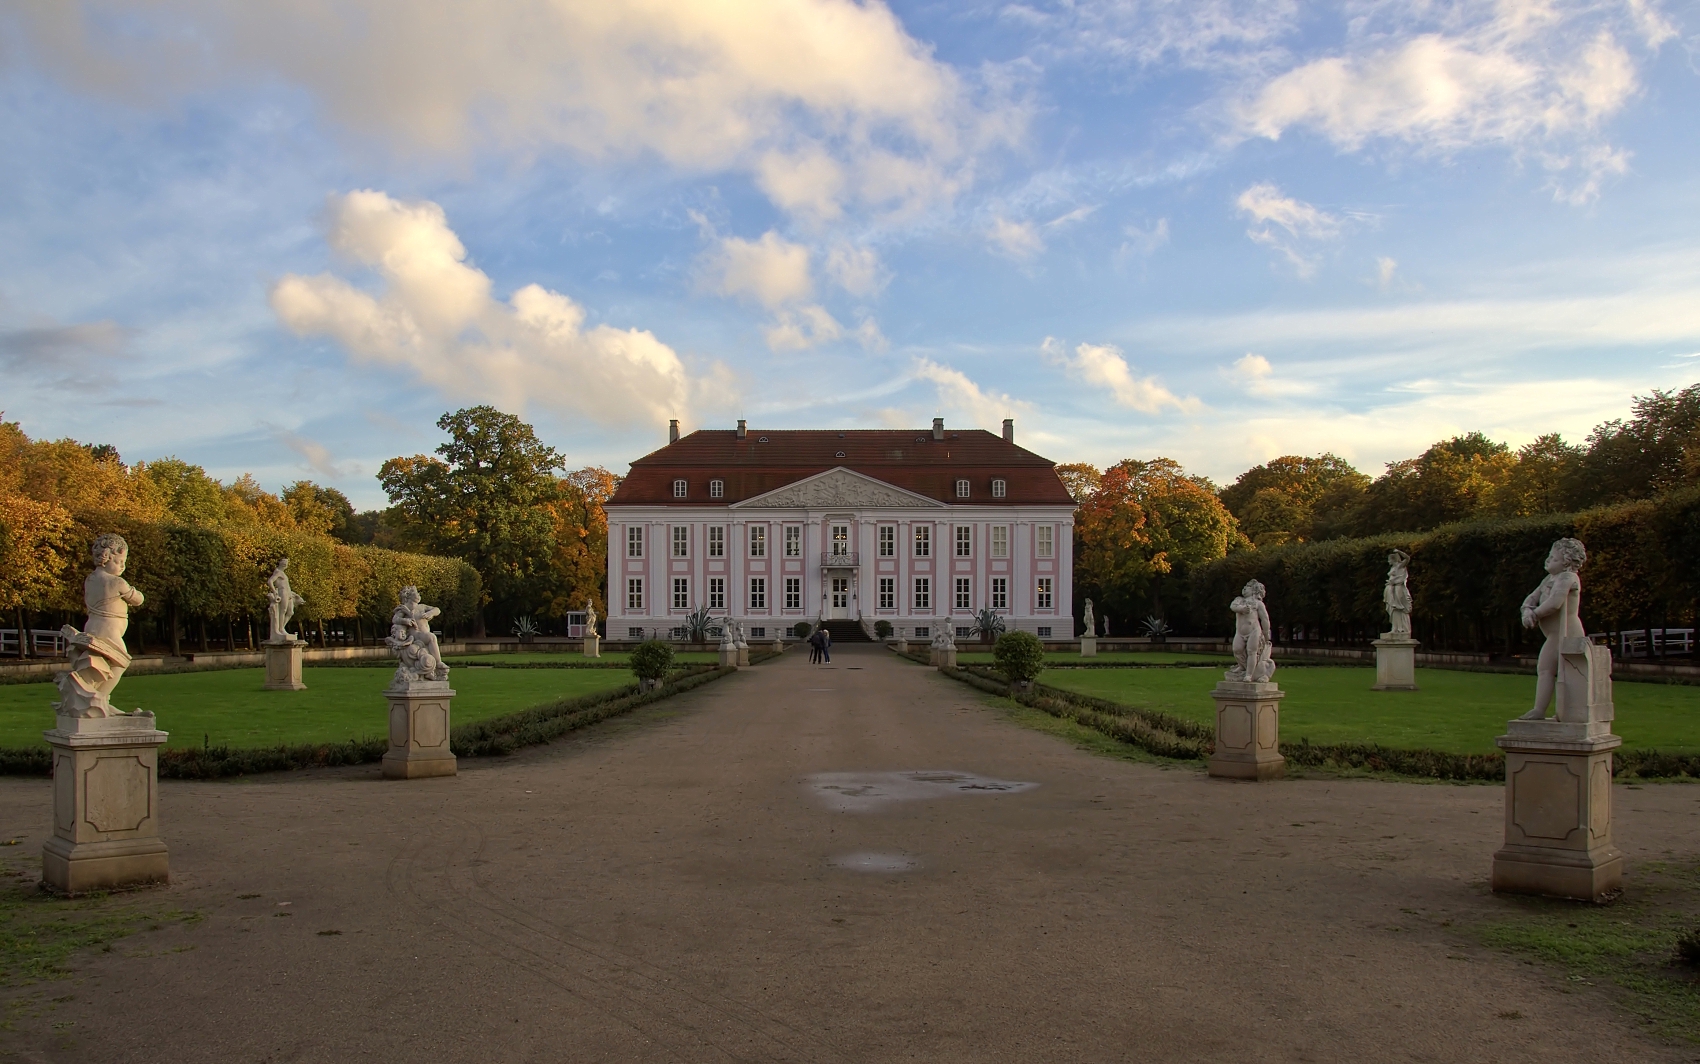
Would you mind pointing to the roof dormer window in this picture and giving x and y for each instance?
(999, 488)
(679, 487)
(716, 489)
(962, 489)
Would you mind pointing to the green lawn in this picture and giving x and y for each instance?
(1056, 657)
(1460, 712)
(615, 657)
(231, 707)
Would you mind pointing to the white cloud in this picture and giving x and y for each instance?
(1198, 34)
(1255, 375)
(1145, 241)
(959, 395)
(1385, 268)
(435, 318)
(825, 102)
(802, 328)
(317, 455)
(869, 336)
(1102, 366)
(1303, 223)
(772, 270)
(1018, 240)
(857, 270)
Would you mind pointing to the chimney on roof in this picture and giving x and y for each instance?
(938, 428)
(673, 431)
(743, 428)
(1009, 430)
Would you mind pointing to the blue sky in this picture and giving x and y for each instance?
(284, 238)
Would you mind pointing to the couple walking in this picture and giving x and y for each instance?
(820, 646)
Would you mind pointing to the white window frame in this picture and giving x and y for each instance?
(964, 593)
(716, 489)
(1000, 593)
(634, 593)
(793, 592)
(1000, 541)
(717, 541)
(758, 592)
(717, 592)
(923, 593)
(793, 541)
(681, 592)
(758, 541)
(839, 546)
(681, 541)
(923, 541)
(681, 489)
(1044, 541)
(963, 487)
(1000, 487)
(634, 541)
(888, 593)
(887, 538)
(964, 541)
(1042, 594)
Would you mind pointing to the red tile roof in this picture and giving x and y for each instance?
(908, 458)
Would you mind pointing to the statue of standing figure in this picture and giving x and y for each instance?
(282, 601)
(418, 656)
(98, 656)
(1397, 594)
(1088, 620)
(589, 617)
(1254, 645)
(1556, 608)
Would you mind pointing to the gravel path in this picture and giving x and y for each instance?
(855, 862)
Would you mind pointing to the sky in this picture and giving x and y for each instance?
(285, 236)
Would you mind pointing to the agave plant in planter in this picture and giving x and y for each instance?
(525, 628)
(988, 625)
(1157, 628)
(697, 625)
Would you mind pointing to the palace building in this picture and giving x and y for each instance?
(920, 528)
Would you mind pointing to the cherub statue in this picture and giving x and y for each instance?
(1556, 608)
(283, 600)
(1397, 593)
(589, 617)
(1088, 620)
(1254, 649)
(418, 657)
(98, 656)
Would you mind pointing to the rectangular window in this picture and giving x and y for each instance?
(1044, 631)
(758, 541)
(681, 593)
(923, 632)
(962, 489)
(717, 541)
(717, 592)
(1000, 541)
(964, 541)
(634, 593)
(888, 541)
(634, 633)
(793, 592)
(793, 541)
(1044, 547)
(678, 489)
(888, 593)
(1000, 592)
(681, 541)
(840, 540)
(758, 592)
(634, 541)
(923, 593)
(716, 489)
(999, 489)
(963, 631)
(1043, 599)
(923, 541)
(964, 593)
(758, 633)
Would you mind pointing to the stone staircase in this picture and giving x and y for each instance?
(846, 632)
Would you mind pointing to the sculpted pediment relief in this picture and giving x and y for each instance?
(839, 488)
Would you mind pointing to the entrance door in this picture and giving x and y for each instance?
(840, 598)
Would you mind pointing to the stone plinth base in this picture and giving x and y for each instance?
(419, 731)
(743, 657)
(592, 645)
(728, 657)
(283, 666)
(1248, 731)
(1088, 646)
(105, 805)
(945, 659)
(1558, 840)
(902, 646)
(1395, 663)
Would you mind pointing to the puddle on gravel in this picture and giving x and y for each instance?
(874, 862)
(861, 792)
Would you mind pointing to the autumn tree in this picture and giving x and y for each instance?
(578, 566)
(1656, 450)
(1453, 480)
(1293, 499)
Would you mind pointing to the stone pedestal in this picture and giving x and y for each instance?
(1558, 840)
(419, 730)
(902, 645)
(728, 656)
(1248, 731)
(283, 666)
(1395, 663)
(592, 645)
(105, 805)
(743, 657)
(946, 658)
(1088, 646)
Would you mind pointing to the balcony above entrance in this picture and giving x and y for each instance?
(839, 560)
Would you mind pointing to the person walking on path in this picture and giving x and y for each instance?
(814, 647)
(825, 645)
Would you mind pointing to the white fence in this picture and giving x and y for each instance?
(1666, 642)
(43, 643)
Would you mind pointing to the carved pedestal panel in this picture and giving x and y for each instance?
(105, 805)
(743, 657)
(283, 666)
(1558, 839)
(1088, 646)
(946, 658)
(1395, 664)
(592, 645)
(728, 656)
(1248, 731)
(419, 731)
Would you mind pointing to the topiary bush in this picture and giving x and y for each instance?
(882, 629)
(652, 659)
(1019, 656)
(802, 629)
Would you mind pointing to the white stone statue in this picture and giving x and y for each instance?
(1254, 649)
(589, 617)
(283, 600)
(738, 639)
(1088, 620)
(1106, 625)
(1397, 594)
(98, 657)
(727, 640)
(419, 659)
(1556, 608)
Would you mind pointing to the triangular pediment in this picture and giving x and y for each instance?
(838, 488)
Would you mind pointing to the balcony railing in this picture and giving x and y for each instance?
(839, 560)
